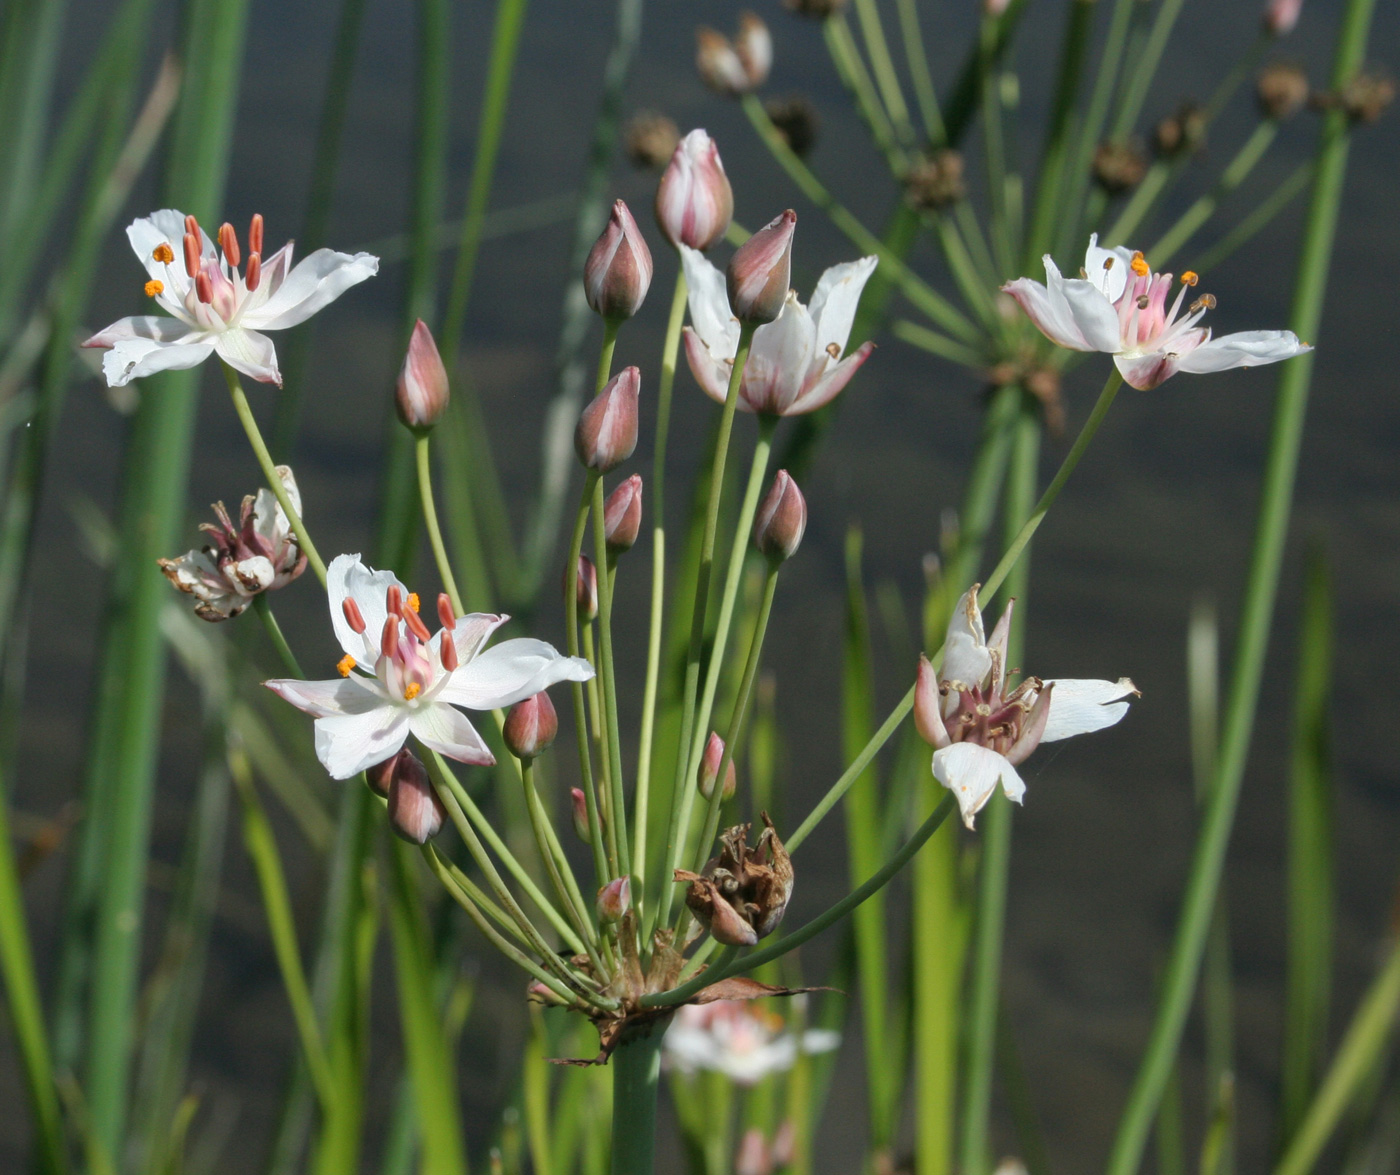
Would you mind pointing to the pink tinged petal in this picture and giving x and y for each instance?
(1094, 315)
(469, 633)
(834, 301)
(347, 744)
(1083, 706)
(1146, 372)
(347, 577)
(965, 656)
(1033, 730)
(510, 672)
(832, 383)
(447, 731)
(1107, 269)
(324, 699)
(1000, 642)
(315, 283)
(972, 773)
(708, 301)
(137, 358)
(778, 360)
(709, 373)
(249, 352)
(928, 705)
(154, 328)
(1050, 315)
(1251, 348)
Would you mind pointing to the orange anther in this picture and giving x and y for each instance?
(412, 691)
(253, 274)
(345, 664)
(445, 613)
(1140, 266)
(449, 652)
(191, 254)
(154, 287)
(163, 253)
(255, 234)
(228, 242)
(413, 601)
(353, 616)
(1190, 278)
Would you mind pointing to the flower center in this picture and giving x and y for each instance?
(411, 691)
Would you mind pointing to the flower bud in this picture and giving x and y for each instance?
(753, 1156)
(622, 516)
(585, 590)
(579, 807)
(381, 775)
(1281, 15)
(694, 201)
(607, 428)
(421, 396)
(531, 726)
(754, 45)
(415, 812)
(781, 519)
(614, 900)
(760, 271)
(785, 1144)
(617, 274)
(709, 769)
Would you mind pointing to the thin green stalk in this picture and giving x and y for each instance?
(1256, 617)
(1139, 73)
(1249, 226)
(636, 1067)
(937, 344)
(850, 66)
(669, 351)
(682, 793)
(274, 634)
(919, 72)
(269, 470)
(872, 29)
(430, 519)
(612, 737)
(561, 876)
(993, 581)
(605, 356)
(994, 147)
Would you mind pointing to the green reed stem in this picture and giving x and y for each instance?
(1255, 620)
(920, 75)
(669, 350)
(612, 738)
(636, 1067)
(886, 77)
(430, 519)
(850, 67)
(936, 344)
(682, 792)
(1249, 226)
(556, 864)
(993, 582)
(269, 470)
(274, 634)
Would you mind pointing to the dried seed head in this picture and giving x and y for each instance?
(650, 139)
(1118, 167)
(797, 121)
(1281, 90)
(936, 182)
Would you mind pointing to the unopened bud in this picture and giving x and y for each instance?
(1281, 90)
(617, 274)
(541, 993)
(381, 775)
(754, 45)
(607, 428)
(531, 726)
(585, 590)
(622, 516)
(614, 900)
(421, 396)
(578, 806)
(694, 201)
(1281, 15)
(754, 1156)
(781, 520)
(709, 770)
(785, 1144)
(415, 812)
(760, 271)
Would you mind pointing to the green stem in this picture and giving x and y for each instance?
(274, 633)
(1249, 226)
(658, 573)
(681, 794)
(269, 469)
(872, 29)
(919, 72)
(636, 1066)
(561, 876)
(612, 738)
(1255, 621)
(430, 518)
(850, 66)
(605, 358)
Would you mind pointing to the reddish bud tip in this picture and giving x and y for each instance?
(389, 638)
(607, 429)
(446, 615)
(614, 900)
(192, 227)
(255, 233)
(709, 769)
(381, 775)
(228, 242)
(191, 254)
(585, 589)
(422, 393)
(415, 812)
(353, 616)
(781, 519)
(617, 274)
(694, 202)
(203, 287)
(578, 806)
(760, 271)
(1280, 16)
(253, 274)
(622, 516)
(531, 726)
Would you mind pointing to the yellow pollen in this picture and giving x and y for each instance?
(154, 287)
(345, 664)
(412, 691)
(1190, 278)
(163, 253)
(413, 601)
(1140, 266)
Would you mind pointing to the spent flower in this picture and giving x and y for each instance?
(743, 893)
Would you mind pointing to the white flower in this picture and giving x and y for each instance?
(363, 720)
(259, 555)
(216, 309)
(795, 362)
(983, 733)
(1119, 306)
(739, 1040)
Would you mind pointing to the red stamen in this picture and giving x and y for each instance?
(228, 242)
(192, 227)
(416, 625)
(393, 599)
(448, 651)
(255, 234)
(254, 271)
(191, 254)
(389, 639)
(203, 287)
(445, 613)
(353, 616)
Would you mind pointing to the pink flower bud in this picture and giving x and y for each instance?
(579, 806)
(531, 726)
(617, 274)
(781, 519)
(760, 271)
(928, 707)
(754, 45)
(754, 1156)
(421, 396)
(785, 1144)
(415, 812)
(694, 201)
(614, 900)
(709, 769)
(585, 591)
(381, 775)
(622, 516)
(1281, 15)
(607, 429)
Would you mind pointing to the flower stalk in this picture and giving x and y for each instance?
(430, 518)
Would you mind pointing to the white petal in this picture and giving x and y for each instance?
(1094, 315)
(1146, 372)
(447, 731)
(510, 672)
(972, 773)
(778, 361)
(1048, 310)
(340, 695)
(249, 352)
(1250, 348)
(136, 358)
(318, 281)
(470, 634)
(834, 301)
(708, 298)
(347, 744)
(832, 382)
(965, 655)
(166, 227)
(1080, 706)
(709, 373)
(348, 577)
(1110, 280)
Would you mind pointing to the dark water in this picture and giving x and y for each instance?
(1161, 511)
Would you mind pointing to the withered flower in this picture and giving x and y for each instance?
(743, 893)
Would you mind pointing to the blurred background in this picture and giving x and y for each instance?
(1159, 516)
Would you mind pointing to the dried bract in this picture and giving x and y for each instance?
(797, 121)
(1118, 167)
(937, 182)
(742, 894)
